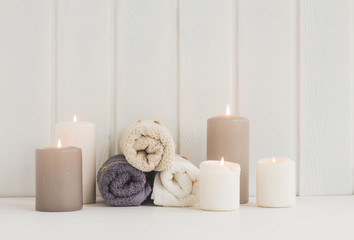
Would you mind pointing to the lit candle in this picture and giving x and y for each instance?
(229, 135)
(81, 134)
(219, 185)
(276, 182)
(58, 179)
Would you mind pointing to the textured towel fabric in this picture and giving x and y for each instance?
(121, 184)
(148, 146)
(178, 186)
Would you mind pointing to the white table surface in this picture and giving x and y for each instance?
(312, 218)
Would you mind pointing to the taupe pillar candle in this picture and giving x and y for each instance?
(228, 136)
(58, 179)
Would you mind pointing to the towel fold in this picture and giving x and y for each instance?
(178, 186)
(121, 184)
(148, 146)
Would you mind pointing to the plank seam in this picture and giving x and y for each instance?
(54, 111)
(236, 59)
(115, 78)
(178, 80)
(297, 95)
(352, 120)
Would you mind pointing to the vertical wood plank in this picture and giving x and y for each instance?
(25, 90)
(146, 64)
(326, 97)
(85, 66)
(207, 69)
(267, 78)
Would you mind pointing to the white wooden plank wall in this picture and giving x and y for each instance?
(26, 29)
(146, 66)
(267, 67)
(287, 65)
(84, 66)
(326, 97)
(207, 69)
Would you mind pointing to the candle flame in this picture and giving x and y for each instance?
(273, 160)
(59, 143)
(75, 118)
(222, 161)
(227, 110)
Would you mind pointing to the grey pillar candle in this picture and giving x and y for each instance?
(58, 179)
(228, 136)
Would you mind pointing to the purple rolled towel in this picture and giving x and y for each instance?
(121, 184)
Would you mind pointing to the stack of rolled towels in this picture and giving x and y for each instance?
(148, 169)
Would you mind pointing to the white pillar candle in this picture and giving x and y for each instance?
(219, 185)
(276, 182)
(81, 134)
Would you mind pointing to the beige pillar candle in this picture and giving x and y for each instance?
(228, 136)
(58, 179)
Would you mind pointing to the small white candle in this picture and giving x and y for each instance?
(219, 185)
(81, 134)
(276, 182)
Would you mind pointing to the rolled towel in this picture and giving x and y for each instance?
(121, 184)
(148, 146)
(178, 186)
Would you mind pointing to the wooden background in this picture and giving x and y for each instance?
(286, 65)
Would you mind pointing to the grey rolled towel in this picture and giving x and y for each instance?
(121, 184)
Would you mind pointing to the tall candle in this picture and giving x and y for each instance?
(228, 135)
(219, 186)
(81, 134)
(58, 179)
(276, 182)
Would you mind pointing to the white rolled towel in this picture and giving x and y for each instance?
(178, 186)
(148, 146)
